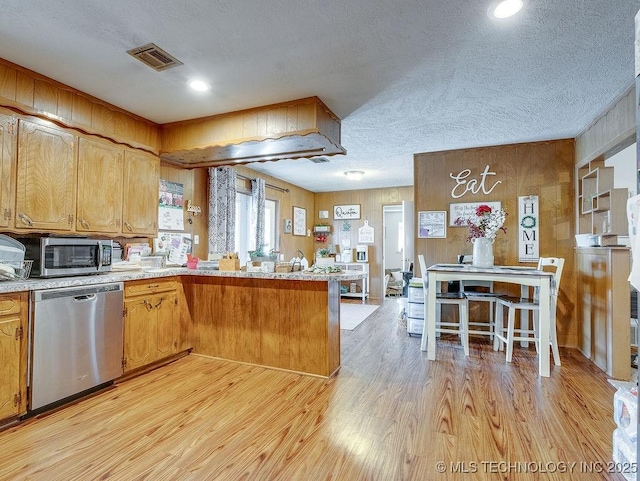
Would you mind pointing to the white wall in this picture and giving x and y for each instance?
(625, 169)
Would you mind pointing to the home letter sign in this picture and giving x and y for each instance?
(528, 230)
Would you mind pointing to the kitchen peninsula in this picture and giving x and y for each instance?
(286, 321)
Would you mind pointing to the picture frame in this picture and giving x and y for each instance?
(344, 212)
(432, 224)
(299, 221)
(288, 226)
(464, 210)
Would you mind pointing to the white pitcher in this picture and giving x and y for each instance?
(482, 252)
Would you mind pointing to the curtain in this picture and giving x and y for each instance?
(222, 209)
(257, 217)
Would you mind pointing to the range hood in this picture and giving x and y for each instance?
(288, 130)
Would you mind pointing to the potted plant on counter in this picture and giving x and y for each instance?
(259, 255)
(324, 257)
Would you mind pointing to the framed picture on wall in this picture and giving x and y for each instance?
(432, 224)
(288, 226)
(299, 221)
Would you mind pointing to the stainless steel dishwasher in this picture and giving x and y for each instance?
(77, 340)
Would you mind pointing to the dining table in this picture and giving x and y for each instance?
(524, 276)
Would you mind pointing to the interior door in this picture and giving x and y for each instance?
(408, 220)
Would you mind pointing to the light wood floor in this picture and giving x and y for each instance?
(389, 415)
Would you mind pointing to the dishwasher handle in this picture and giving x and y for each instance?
(85, 298)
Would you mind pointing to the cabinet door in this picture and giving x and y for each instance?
(100, 168)
(13, 355)
(46, 180)
(167, 325)
(141, 186)
(139, 333)
(8, 126)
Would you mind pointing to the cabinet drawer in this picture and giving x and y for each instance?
(9, 304)
(415, 294)
(415, 310)
(415, 326)
(137, 288)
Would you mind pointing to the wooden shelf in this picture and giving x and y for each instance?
(602, 208)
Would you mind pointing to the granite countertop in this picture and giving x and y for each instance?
(130, 275)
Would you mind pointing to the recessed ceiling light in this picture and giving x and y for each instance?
(354, 174)
(507, 8)
(199, 85)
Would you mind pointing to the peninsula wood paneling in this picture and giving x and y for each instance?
(286, 324)
(371, 203)
(31, 93)
(544, 169)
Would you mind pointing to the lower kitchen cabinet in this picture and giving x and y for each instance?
(13, 354)
(151, 322)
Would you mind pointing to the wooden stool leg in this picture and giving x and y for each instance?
(499, 327)
(464, 327)
(510, 327)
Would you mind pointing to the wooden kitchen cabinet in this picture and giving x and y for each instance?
(8, 139)
(46, 177)
(141, 186)
(13, 355)
(151, 322)
(100, 170)
(604, 308)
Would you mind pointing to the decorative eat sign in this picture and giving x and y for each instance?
(474, 186)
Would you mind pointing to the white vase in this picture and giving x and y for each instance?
(482, 252)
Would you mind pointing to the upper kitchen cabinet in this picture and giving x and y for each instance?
(141, 184)
(100, 169)
(46, 177)
(8, 138)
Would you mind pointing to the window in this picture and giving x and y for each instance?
(245, 231)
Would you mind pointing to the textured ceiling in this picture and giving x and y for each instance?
(404, 76)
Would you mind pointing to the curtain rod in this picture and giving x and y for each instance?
(281, 189)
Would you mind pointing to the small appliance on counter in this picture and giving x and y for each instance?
(362, 253)
(68, 256)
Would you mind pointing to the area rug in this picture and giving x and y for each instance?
(351, 315)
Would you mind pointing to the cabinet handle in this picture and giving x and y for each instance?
(25, 219)
(158, 304)
(84, 223)
(148, 305)
(128, 226)
(153, 286)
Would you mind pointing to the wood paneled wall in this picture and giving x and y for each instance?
(34, 94)
(544, 169)
(195, 189)
(371, 203)
(614, 130)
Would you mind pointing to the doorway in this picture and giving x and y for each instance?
(397, 243)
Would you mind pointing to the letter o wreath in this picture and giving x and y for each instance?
(528, 222)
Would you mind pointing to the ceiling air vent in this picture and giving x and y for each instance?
(319, 160)
(153, 56)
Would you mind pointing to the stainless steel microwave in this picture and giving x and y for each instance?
(67, 256)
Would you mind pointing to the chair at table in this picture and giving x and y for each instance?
(470, 289)
(507, 335)
(461, 328)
